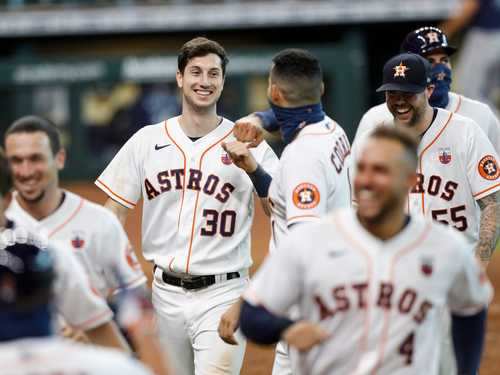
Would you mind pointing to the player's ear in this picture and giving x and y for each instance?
(322, 88)
(276, 95)
(60, 158)
(178, 78)
(429, 90)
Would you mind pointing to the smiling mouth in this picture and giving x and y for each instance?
(203, 93)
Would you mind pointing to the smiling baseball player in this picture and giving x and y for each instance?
(458, 167)
(75, 301)
(197, 213)
(35, 154)
(431, 43)
(370, 283)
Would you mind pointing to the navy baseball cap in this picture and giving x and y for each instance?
(26, 272)
(406, 72)
(426, 40)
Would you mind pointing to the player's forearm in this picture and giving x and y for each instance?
(108, 335)
(489, 227)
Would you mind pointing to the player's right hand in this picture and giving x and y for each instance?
(304, 335)
(248, 129)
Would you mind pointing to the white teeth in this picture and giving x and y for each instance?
(203, 92)
(402, 111)
(366, 194)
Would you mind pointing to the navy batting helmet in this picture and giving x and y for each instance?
(26, 276)
(425, 40)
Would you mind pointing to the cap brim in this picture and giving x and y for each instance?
(405, 87)
(449, 50)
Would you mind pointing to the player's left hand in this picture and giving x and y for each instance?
(240, 155)
(229, 323)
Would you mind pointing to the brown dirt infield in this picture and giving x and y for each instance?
(258, 360)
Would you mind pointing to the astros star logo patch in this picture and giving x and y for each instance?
(306, 196)
(488, 168)
(400, 70)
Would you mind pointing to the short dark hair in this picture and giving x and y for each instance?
(199, 47)
(33, 124)
(298, 74)
(4, 174)
(402, 136)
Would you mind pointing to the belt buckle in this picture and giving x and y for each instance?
(187, 283)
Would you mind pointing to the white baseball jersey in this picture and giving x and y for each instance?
(51, 355)
(312, 179)
(380, 301)
(457, 165)
(198, 206)
(96, 237)
(479, 112)
(80, 306)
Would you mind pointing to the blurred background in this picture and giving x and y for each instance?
(102, 69)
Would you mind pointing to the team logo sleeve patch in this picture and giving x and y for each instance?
(306, 196)
(488, 168)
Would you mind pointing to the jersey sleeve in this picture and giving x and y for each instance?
(483, 170)
(78, 304)
(122, 178)
(306, 185)
(277, 285)
(471, 290)
(122, 269)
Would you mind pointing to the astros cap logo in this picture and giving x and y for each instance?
(433, 37)
(400, 70)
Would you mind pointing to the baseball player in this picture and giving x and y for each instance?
(431, 43)
(35, 156)
(197, 212)
(75, 301)
(312, 179)
(458, 170)
(371, 294)
(27, 276)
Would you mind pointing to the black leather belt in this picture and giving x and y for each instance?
(194, 282)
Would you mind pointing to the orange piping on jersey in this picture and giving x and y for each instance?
(85, 324)
(71, 217)
(302, 216)
(114, 194)
(399, 254)
(183, 177)
(459, 104)
(170, 265)
(198, 196)
(362, 250)
(324, 133)
(485, 190)
(425, 149)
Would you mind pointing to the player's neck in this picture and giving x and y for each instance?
(198, 123)
(387, 227)
(426, 121)
(49, 203)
